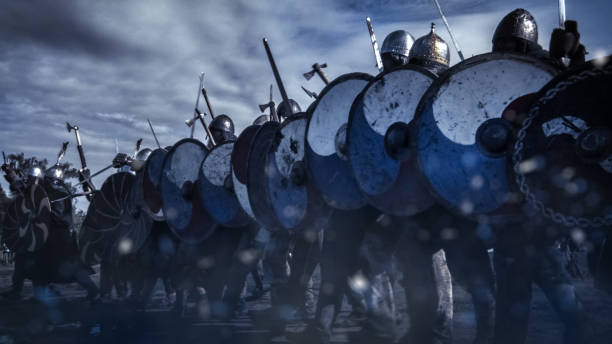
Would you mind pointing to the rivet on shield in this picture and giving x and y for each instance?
(397, 141)
(493, 136)
(594, 144)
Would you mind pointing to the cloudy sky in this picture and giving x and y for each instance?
(107, 66)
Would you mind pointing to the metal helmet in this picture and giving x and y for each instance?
(518, 24)
(284, 111)
(431, 52)
(397, 42)
(34, 170)
(55, 172)
(261, 119)
(222, 123)
(143, 154)
(222, 128)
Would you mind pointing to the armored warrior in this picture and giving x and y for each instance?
(530, 254)
(57, 261)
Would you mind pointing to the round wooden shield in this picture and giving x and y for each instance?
(216, 192)
(257, 177)
(27, 221)
(115, 224)
(239, 167)
(563, 154)
(180, 194)
(326, 148)
(296, 203)
(150, 183)
(462, 138)
(381, 145)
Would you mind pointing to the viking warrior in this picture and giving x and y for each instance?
(529, 254)
(57, 261)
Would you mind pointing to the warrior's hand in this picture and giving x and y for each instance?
(121, 159)
(566, 43)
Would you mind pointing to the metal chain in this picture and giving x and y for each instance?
(517, 158)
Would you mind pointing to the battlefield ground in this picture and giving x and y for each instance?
(68, 318)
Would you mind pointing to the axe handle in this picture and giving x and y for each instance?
(279, 82)
(208, 103)
(208, 132)
(82, 156)
(273, 114)
(322, 75)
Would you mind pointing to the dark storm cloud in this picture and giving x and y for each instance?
(107, 66)
(62, 25)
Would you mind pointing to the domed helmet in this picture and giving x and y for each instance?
(143, 154)
(55, 173)
(395, 49)
(33, 171)
(284, 111)
(261, 120)
(222, 128)
(431, 52)
(515, 32)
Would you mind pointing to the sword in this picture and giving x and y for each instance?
(450, 32)
(379, 63)
(153, 132)
(279, 82)
(562, 14)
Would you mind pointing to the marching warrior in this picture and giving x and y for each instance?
(529, 254)
(57, 261)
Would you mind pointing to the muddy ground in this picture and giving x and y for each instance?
(68, 318)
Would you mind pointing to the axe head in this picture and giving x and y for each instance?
(69, 127)
(319, 66)
(309, 75)
(263, 107)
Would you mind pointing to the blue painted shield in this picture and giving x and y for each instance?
(463, 139)
(296, 203)
(150, 183)
(240, 162)
(216, 192)
(257, 177)
(180, 195)
(386, 171)
(326, 150)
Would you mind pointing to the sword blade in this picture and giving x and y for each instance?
(450, 32)
(562, 14)
(279, 82)
(379, 64)
(153, 132)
